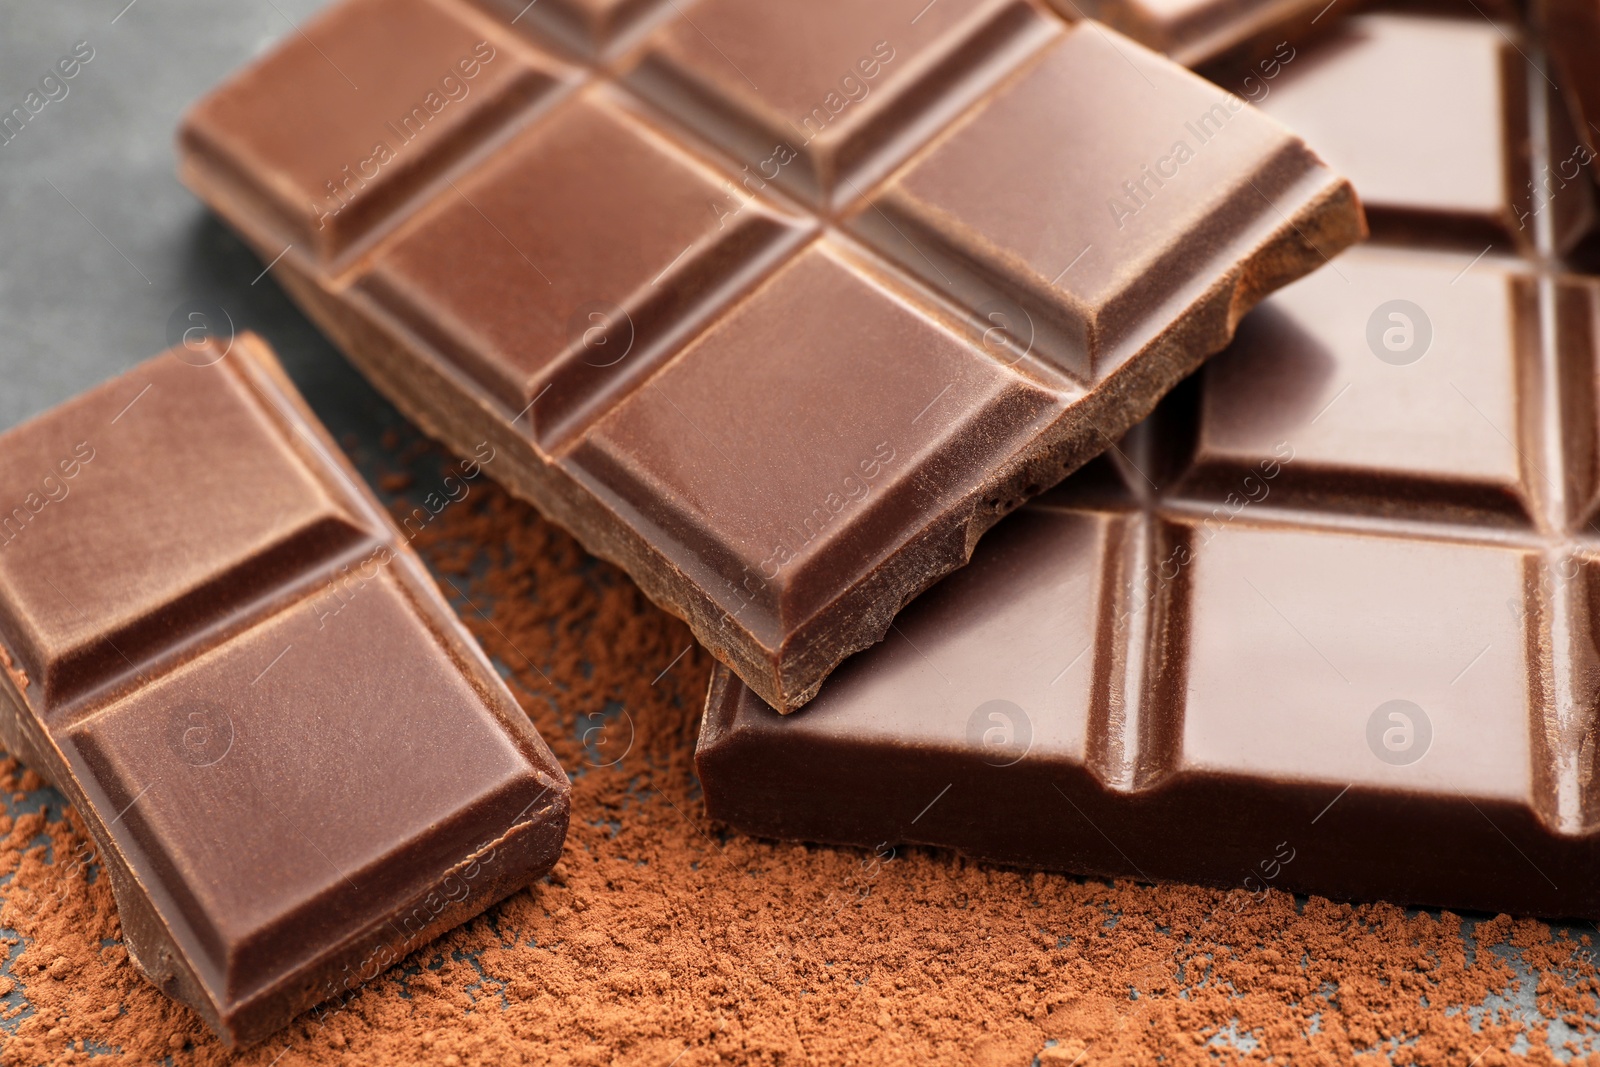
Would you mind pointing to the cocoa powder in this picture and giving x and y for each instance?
(662, 939)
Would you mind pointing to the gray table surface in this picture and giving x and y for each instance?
(99, 243)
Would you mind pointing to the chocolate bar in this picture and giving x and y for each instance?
(1327, 622)
(295, 763)
(1340, 634)
(1359, 94)
(780, 305)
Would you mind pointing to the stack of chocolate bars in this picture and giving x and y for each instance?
(782, 305)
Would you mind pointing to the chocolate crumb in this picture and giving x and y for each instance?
(18, 675)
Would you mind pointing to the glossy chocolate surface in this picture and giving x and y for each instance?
(1193, 32)
(1326, 622)
(740, 291)
(1369, 96)
(1351, 620)
(295, 763)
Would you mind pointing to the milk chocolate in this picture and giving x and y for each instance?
(1328, 622)
(781, 305)
(1370, 95)
(295, 763)
(1345, 643)
(1195, 32)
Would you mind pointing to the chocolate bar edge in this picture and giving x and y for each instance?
(386, 353)
(533, 843)
(1411, 848)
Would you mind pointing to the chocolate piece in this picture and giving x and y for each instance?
(358, 131)
(1327, 622)
(1430, 118)
(850, 89)
(752, 309)
(296, 765)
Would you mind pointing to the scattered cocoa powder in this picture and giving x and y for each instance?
(662, 939)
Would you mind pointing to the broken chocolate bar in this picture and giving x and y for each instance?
(780, 306)
(1340, 629)
(1326, 623)
(1334, 628)
(295, 763)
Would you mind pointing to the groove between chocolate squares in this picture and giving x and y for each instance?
(769, 652)
(398, 363)
(202, 618)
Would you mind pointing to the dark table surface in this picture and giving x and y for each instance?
(99, 243)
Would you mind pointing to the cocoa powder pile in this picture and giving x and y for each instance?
(663, 939)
